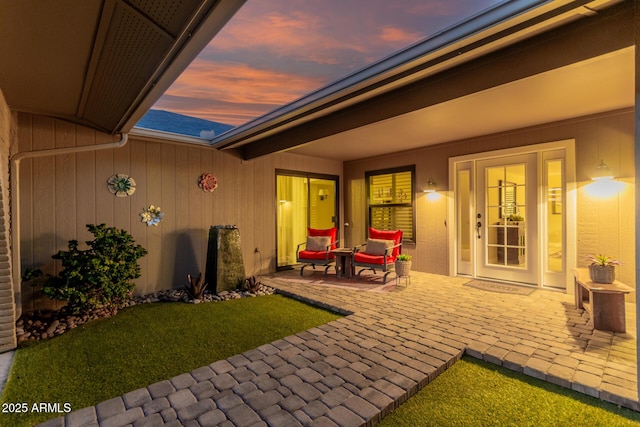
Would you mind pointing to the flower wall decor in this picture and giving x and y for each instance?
(121, 185)
(151, 215)
(207, 182)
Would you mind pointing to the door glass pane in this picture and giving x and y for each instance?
(555, 214)
(515, 174)
(322, 203)
(505, 219)
(464, 220)
(292, 195)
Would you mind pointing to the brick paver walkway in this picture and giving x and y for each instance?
(357, 369)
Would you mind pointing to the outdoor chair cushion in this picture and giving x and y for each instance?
(318, 243)
(371, 259)
(315, 255)
(378, 246)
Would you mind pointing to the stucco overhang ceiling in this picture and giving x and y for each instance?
(101, 63)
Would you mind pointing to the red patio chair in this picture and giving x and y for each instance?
(380, 251)
(317, 248)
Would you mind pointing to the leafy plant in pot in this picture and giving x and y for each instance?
(403, 265)
(602, 268)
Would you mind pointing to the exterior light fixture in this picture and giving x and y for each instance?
(602, 172)
(322, 194)
(604, 184)
(431, 186)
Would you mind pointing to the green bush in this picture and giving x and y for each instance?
(100, 275)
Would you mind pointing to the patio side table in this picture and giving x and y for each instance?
(344, 267)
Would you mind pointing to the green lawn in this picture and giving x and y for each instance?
(145, 344)
(476, 393)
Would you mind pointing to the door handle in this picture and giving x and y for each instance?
(478, 226)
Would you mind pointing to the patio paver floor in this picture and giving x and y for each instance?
(357, 369)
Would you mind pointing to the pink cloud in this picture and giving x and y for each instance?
(292, 34)
(398, 36)
(237, 85)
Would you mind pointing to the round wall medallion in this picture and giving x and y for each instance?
(121, 185)
(208, 182)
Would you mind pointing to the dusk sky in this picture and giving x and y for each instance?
(275, 51)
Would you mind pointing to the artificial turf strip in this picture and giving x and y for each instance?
(145, 344)
(476, 393)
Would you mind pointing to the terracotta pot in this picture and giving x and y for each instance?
(403, 268)
(602, 273)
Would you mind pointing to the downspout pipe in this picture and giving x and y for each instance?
(15, 160)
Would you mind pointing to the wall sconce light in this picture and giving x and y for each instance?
(431, 186)
(322, 194)
(602, 171)
(604, 184)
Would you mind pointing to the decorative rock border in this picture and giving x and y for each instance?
(41, 325)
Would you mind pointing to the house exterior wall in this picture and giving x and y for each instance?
(7, 302)
(602, 225)
(61, 194)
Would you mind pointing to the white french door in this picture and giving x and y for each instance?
(511, 209)
(507, 221)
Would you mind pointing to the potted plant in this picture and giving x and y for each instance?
(602, 268)
(403, 265)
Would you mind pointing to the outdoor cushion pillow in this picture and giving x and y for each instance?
(331, 232)
(377, 247)
(395, 235)
(318, 243)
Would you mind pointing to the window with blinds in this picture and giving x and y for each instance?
(390, 198)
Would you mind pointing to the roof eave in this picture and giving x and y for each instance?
(191, 43)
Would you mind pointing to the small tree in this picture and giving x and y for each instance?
(100, 275)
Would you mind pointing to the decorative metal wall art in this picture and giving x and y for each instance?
(151, 215)
(121, 185)
(208, 182)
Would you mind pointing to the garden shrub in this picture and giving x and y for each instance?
(99, 276)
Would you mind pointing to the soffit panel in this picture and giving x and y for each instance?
(133, 48)
(45, 50)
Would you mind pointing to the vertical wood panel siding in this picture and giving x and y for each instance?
(602, 226)
(61, 194)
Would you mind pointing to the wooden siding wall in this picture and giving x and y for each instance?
(61, 194)
(603, 226)
(7, 302)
